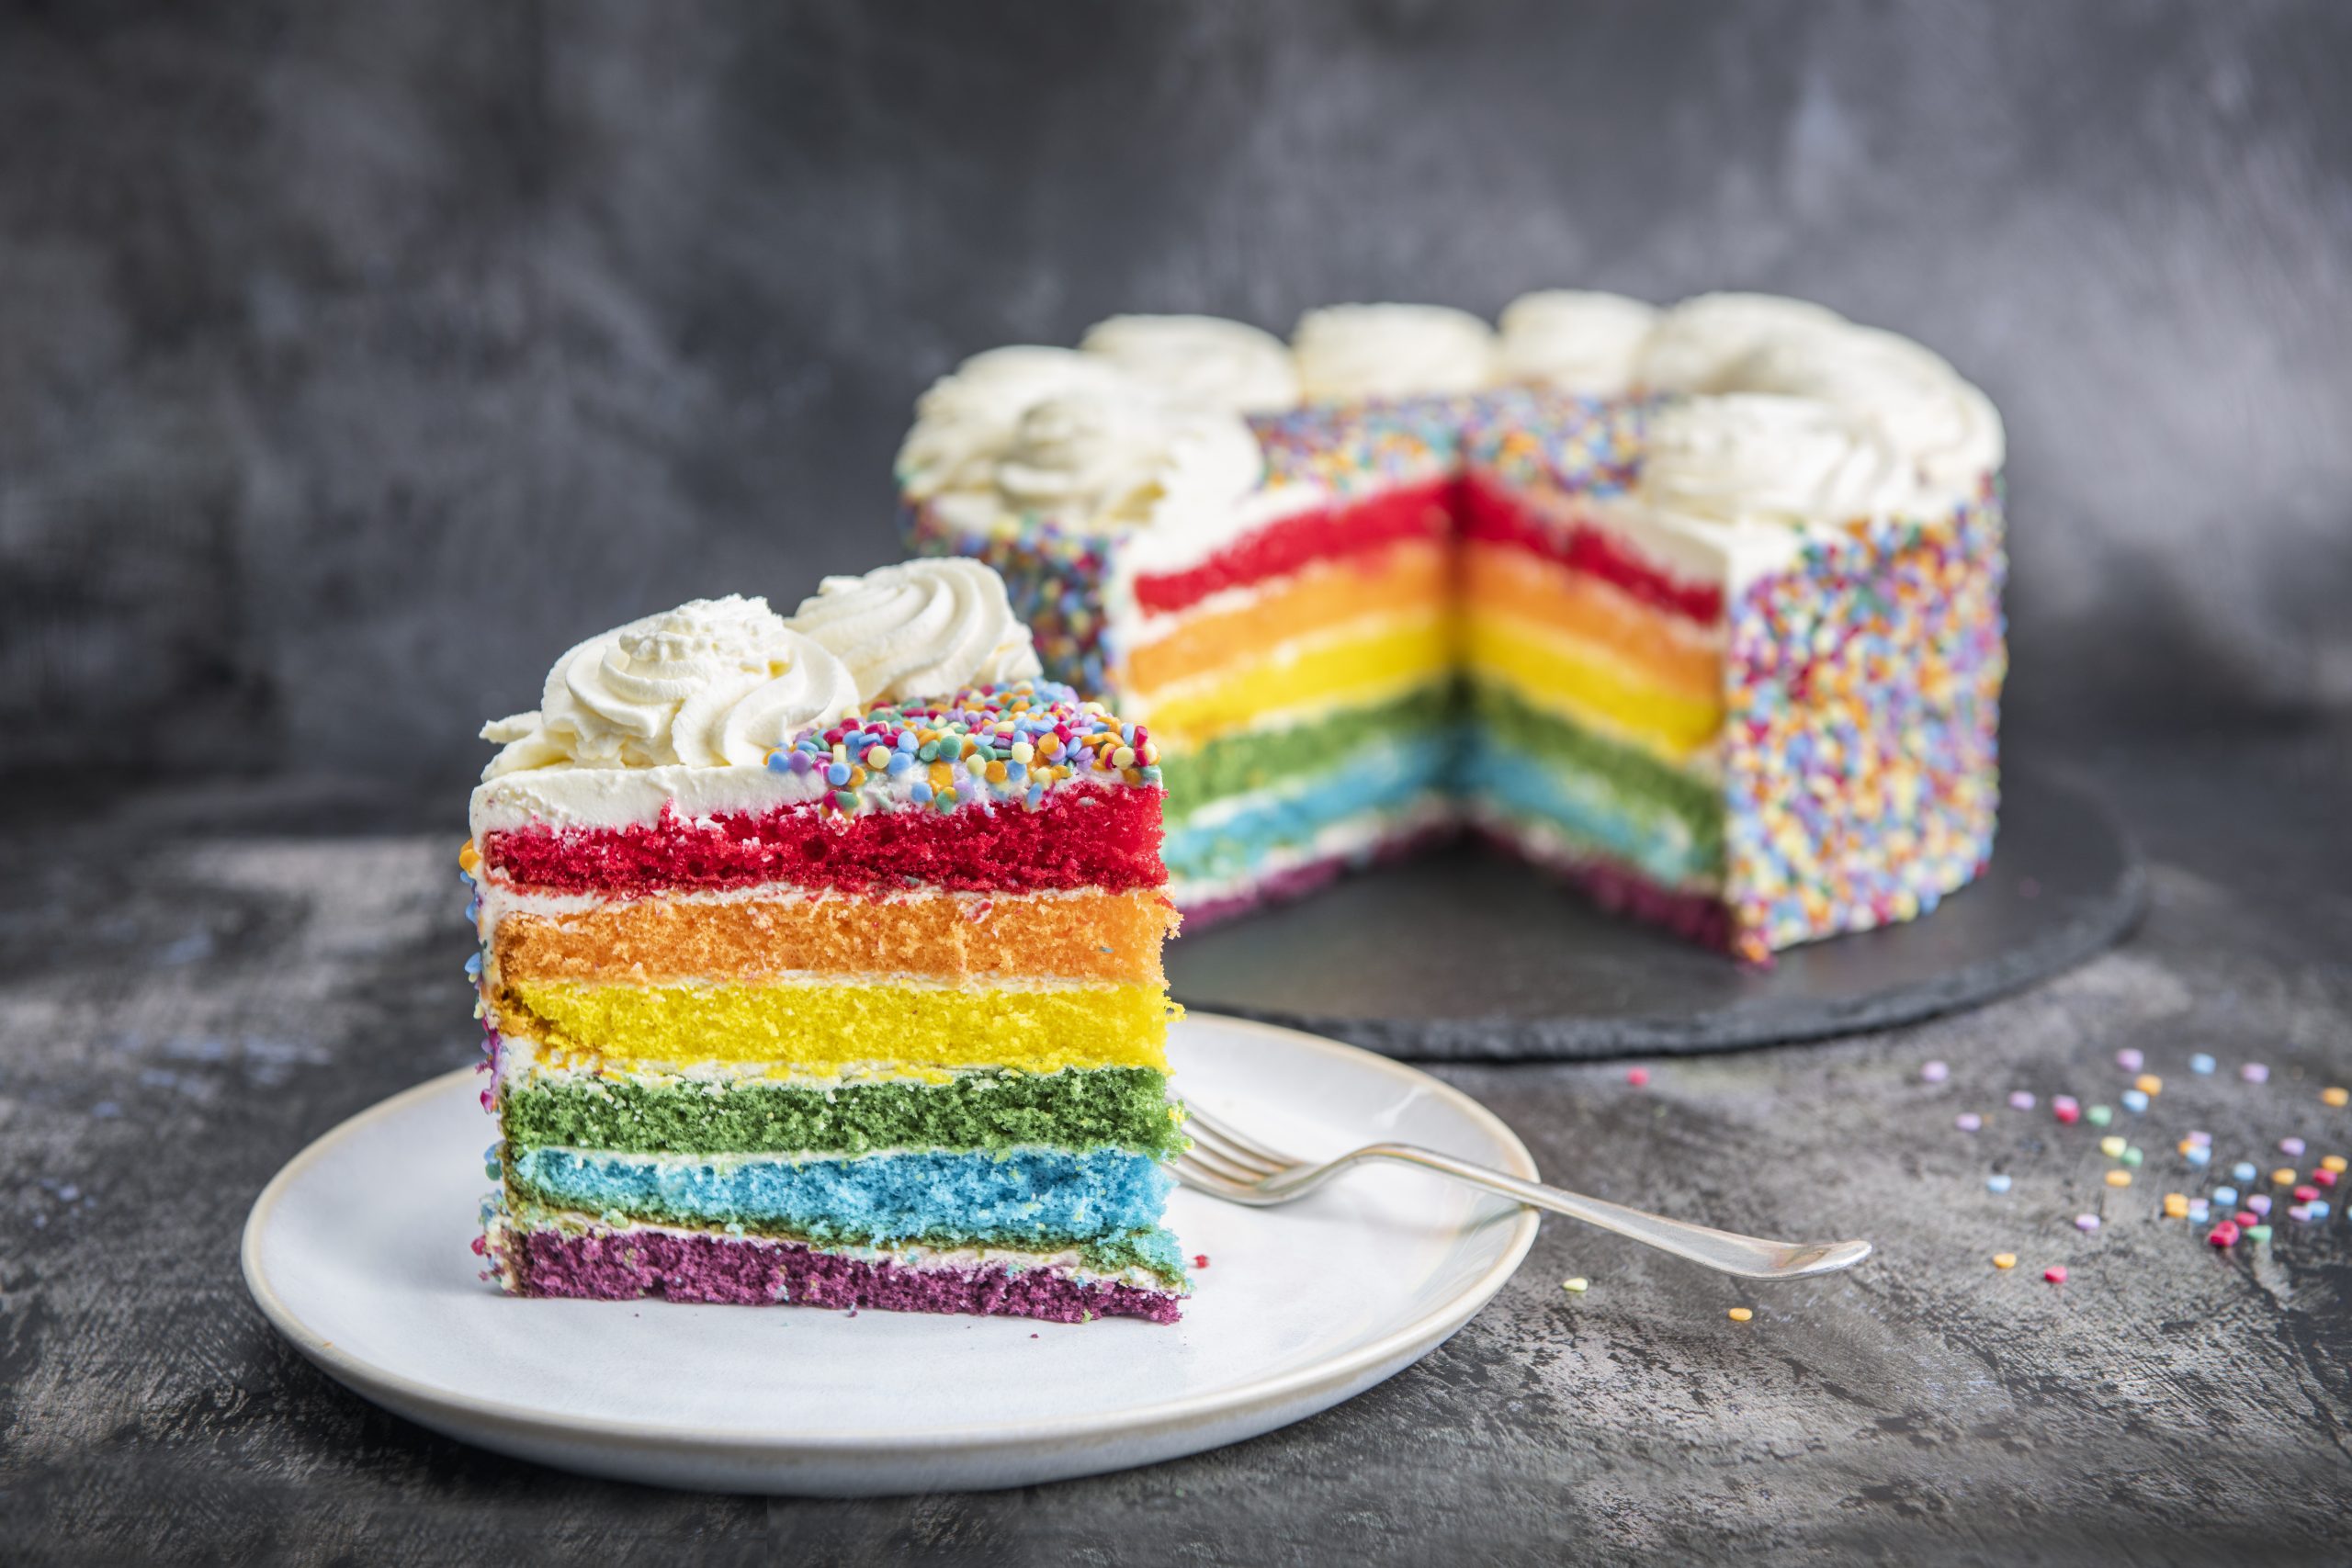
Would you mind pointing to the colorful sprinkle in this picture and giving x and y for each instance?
(2257, 1233)
(2255, 1071)
(2335, 1163)
(2055, 1273)
(2019, 1099)
(1576, 1286)
(2135, 1101)
(2066, 1108)
(2119, 1178)
(2112, 1146)
(2259, 1203)
(2149, 1084)
(2099, 1115)
(2202, 1064)
(1997, 1182)
(2292, 1146)
(2225, 1196)
(2133, 1155)
(2004, 1260)
(1968, 1122)
(2176, 1205)
(1934, 1072)
(2087, 1223)
(2224, 1234)
(1740, 1314)
(2337, 1096)
(1637, 1076)
(2283, 1177)
(2130, 1060)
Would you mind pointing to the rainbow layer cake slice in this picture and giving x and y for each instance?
(821, 965)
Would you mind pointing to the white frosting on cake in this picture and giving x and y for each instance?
(965, 421)
(1945, 427)
(711, 683)
(1748, 457)
(1203, 360)
(924, 629)
(1699, 343)
(1575, 340)
(1348, 352)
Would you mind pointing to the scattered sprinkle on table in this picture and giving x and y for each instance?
(1997, 1182)
(2257, 1233)
(1968, 1120)
(2066, 1108)
(1740, 1314)
(2176, 1205)
(2135, 1101)
(2099, 1115)
(2323, 1176)
(2255, 1071)
(2119, 1178)
(1576, 1286)
(2133, 1155)
(2149, 1084)
(2224, 1234)
(2197, 1153)
(2283, 1177)
(1637, 1076)
(2259, 1203)
(2131, 1061)
(2055, 1273)
(1200, 1260)
(2202, 1064)
(2290, 1146)
(2111, 1147)
(2336, 1095)
(2336, 1163)
(2020, 1099)
(2087, 1223)
(2225, 1195)
(2004, 1260)
(1934, 1072)
(2244, 1170)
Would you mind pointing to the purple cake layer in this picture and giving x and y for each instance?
(1696, 917)
(748, 1271)
(1298, 881)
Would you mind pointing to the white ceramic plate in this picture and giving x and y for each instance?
(360, 1253)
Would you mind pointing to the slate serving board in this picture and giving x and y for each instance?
(1464, 955)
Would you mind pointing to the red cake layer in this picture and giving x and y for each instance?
(1325, 534)
(1080, 838)
(1490, 515)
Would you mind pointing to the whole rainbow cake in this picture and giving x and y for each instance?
(1699, 608)
(820, 962)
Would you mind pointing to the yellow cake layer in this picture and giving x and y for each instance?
(1082, 935)
(1396, 653)
(1413, 575)
(1579, 681)
(817, 1027)
(1665, 649)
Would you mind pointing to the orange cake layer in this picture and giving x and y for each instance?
(1411, 575)
(1096, 936)
(1667, 649)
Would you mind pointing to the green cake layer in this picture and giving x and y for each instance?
(1125, 1108)
(1235, 764)
(1630, 773)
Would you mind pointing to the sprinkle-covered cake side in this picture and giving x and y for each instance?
(861, 1007)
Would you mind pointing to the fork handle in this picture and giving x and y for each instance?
(1748, 1256)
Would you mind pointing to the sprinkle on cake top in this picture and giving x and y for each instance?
(987, 746)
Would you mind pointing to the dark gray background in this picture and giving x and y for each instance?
(355, 360)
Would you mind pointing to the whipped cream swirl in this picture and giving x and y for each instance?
(924, 629)
(1948, 428)
(717, 683)
(1575, 340)
(1698, 345)
(967, 420)
(1350, 351)
(1758, 458)
(1203, 360)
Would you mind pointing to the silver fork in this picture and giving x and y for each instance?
(1224, 1164)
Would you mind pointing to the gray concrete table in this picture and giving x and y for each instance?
(193, 984)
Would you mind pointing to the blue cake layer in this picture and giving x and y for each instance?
(1030, 1196)
(1591, 809)
(1385, 775)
